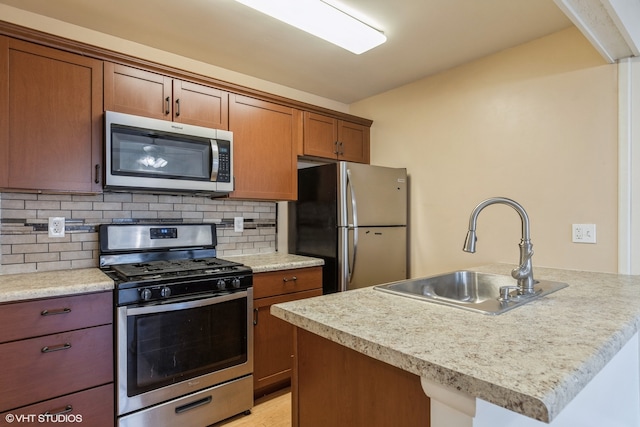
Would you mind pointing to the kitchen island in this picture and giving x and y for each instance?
(567, 359)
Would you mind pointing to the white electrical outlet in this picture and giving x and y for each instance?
(583, 233)
(56, 226)
(238, 224)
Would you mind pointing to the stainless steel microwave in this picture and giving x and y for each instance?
(159, 156)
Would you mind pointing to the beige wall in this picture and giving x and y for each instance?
(536, 123)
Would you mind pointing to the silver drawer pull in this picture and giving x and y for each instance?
(64, 346)
(292, 279)
(193, 405)
(54, 312)
(60, 411)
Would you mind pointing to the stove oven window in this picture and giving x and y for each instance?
(173, 346)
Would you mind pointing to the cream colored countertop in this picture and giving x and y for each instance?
(532, 360)
(275, 261)
(18, 287)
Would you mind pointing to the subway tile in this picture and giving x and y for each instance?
(104, 206)
(42, 204)
(75, 206)
(18, 213)
(44, 238)
(14, 239)
(12, 204)
(54, 265)
(84, 263)
(146, 198)
(62, 247)
(160, 206)
(135, 206)
(18, 268)
(81, 249)
(117, 197)
(25, 249)
(72, 255)
(41, 257)
(13, 259)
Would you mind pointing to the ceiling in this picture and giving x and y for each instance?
(423, 37)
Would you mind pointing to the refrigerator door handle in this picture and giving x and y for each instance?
(353, 226)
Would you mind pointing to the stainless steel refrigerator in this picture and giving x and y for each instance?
(354, 216)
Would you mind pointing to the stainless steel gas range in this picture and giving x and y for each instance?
(184, 332)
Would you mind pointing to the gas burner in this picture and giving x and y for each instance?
(171, 268)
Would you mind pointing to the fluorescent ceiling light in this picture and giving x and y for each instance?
(322, 20)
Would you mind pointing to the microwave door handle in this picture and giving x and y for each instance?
(215, 160)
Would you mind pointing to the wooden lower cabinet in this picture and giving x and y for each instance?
(335, 386)
(57, 358)
(273, 338)
(93, 407)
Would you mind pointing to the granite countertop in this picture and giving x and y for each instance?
(275, 261)
(19, 287)
(532, 360)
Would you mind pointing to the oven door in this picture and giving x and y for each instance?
(176, 348)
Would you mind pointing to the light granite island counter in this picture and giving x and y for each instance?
(568, 359)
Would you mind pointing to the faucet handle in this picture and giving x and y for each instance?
(504, 292)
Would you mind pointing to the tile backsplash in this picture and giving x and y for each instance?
(26, 246)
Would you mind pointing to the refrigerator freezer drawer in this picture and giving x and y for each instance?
(372, 256)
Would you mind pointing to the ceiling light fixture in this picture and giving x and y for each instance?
(322, 20)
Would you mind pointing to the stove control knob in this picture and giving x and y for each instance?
(235, 282)
(165, 292)
(221, 285)
(145, 294)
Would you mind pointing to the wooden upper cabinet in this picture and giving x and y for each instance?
(327, 137)
(50, 119)
(265, 140)
(144, 93)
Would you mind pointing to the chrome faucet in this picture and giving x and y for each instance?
(524, 273)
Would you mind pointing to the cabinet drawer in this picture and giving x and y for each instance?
(286, 281)
(52, 315)
(54, 365)
(94, 407)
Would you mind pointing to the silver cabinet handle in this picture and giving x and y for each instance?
(65, 346)
(335, 150)
(55, 311)
(167, 103)
(60, 411)
(177, 107)
(292, 279)
(97, 178)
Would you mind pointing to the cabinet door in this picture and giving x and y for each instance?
(93, 407)
(320, 135)
(265, 138)
(55, 365)
(139, 92)
(353, 145)
(273, 343)
(200, 105)
(51, 126)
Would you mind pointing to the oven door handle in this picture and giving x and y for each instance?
(160, 308)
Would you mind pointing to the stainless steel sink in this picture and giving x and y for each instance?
(481, 292)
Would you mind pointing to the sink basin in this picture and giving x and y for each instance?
(470, 290)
